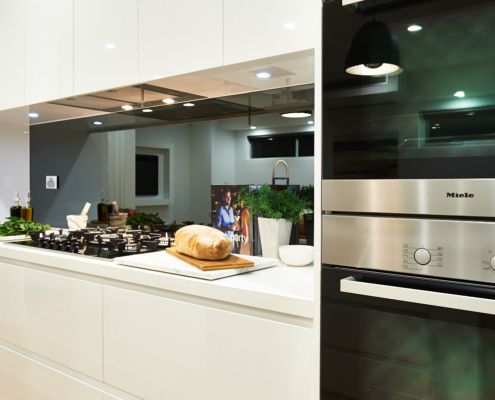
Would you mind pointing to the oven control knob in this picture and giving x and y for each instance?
(492, 263)
(422, 256)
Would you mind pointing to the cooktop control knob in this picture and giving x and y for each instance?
(423, 256)
(492, 263)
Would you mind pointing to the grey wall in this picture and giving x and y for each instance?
(77, 158)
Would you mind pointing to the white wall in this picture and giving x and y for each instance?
(190, 169)
(121, 167)
(201, 174)
(177, 138)
(14, 158)
(223, 161)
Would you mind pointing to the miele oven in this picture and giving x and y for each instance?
(408, 246)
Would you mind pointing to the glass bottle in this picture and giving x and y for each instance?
(27, 211)
(15, 210)
(102, 208)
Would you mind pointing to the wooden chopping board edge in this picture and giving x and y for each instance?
(230, 262)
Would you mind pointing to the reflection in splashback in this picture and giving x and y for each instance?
(195, 146)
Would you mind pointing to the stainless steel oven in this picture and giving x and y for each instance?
(408, 247)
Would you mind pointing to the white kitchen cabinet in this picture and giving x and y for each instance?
(177, 37)
(54, 316)
(258, 28)
(105, 44)
(22, 378)
(12, 35)
(159, 348)
(49, 50)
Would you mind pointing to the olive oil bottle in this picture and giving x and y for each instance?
(27, 211)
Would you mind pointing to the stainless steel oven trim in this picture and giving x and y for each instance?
(453, 197)
(459, 250)
(417, 296)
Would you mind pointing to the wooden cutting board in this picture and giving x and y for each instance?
(231, 261)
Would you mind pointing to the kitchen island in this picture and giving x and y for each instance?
(78, 328)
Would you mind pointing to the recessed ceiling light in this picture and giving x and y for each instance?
(297, 114)
(460, 94)
(263, 75)
(311, 122)
(168, 100)
(147, 110)
(471, 113)
(270, 138)
(33, 115)
(158, 77)
(252, 127)
(127, 107)
(110, 46)
(97, 123)
(414, 28)
(189, 104)
(290, 26)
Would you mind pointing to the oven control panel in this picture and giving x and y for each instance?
(414, 257)
(462, 250)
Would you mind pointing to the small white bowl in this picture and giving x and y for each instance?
(296, 255)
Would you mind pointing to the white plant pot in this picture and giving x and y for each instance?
(273, 234)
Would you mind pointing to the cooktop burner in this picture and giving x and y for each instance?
(98, 242)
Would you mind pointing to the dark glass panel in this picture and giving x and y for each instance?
(146, 175)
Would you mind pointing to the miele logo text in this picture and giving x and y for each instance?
(461, 195)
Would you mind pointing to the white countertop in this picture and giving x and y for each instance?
(282, 289)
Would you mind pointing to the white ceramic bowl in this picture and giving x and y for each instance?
(296, 255)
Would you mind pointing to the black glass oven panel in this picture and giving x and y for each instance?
(375, 349)
(434, 120)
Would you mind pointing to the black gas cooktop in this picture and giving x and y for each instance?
(101, 242)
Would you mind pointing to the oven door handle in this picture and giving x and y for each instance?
(418, 296)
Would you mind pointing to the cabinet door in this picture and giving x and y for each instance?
(24, 379)
(54, 316)
(176, 37)
(49, 50)
(157, 348)
(12, 35)
(258, 28)
(105, 44)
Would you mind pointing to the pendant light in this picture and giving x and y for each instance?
(250, 124)
(373, 52)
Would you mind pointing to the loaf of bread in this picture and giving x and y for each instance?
(202, 242)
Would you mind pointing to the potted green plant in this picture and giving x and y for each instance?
(306, 194)
(276, 210)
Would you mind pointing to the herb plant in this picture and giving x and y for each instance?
(142, 219)
(273, 203)
(306, 194)
(18, 226)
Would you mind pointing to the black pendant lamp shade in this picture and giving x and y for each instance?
(373, 52)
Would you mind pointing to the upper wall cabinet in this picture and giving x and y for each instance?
(105, 44)
(258, 28)
(12, 85)
(177, 37)
(49, 50)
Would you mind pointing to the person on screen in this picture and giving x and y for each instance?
(225, 217)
